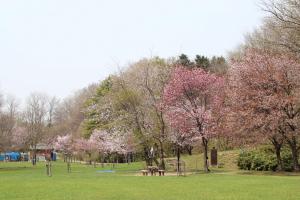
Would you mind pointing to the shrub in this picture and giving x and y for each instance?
(245, 160)
(263, 159)
(287, 160)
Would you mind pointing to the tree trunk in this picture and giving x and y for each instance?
(205, 146)
(205, 154)
(69, 160)
(279, 160)
(48, 168)
(155, 161)
(100, 159)
(34, 157)
(178, 160)
(295, 157)
(189, 149)
(294, 149)
(277, 144)
(147, 158)
(90, 158)
(162, 157)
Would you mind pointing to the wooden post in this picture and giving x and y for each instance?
(48, 168)
(69, 163)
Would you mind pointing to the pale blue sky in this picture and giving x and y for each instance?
(59, 46)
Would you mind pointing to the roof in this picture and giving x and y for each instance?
(42, 146)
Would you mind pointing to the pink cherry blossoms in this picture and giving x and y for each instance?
(191, 98)
(111, 142)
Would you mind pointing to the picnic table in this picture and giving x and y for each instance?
(144, 172)
(153, 170)
(161, 172)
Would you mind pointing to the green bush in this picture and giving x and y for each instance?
(245, 160)
(287, 160)
(263, 159)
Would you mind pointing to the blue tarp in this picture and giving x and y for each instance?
(13, 156)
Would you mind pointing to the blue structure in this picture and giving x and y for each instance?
(10, 156)
(53, 156)
(2, 157)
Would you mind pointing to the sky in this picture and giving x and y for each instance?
(59, 46)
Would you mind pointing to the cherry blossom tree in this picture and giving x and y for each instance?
(84, 145)
(180, 140)
(191, 97)
(65, 145)
(98, 138)
(107, 143)
(131, 100)
(265, 99)
(150, 78)
(98, 141)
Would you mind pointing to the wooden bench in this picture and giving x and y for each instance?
(161, 172)
(144, 172)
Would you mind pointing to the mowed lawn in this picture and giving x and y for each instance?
(22, 181)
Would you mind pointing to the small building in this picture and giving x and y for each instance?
(43, 152)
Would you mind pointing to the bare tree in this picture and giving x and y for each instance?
(8, 119)
(52, 104)
(68, 115)
(280, 31)
(35, 119)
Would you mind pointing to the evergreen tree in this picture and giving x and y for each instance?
(202, 62)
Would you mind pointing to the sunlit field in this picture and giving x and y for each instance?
(22, 181)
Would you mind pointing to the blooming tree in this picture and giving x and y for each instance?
(97, 139)
(111, 142)
(65, 145)
(191, 98)
(84, 145)
(265, 96)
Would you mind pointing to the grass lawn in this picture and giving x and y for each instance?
(22, 181)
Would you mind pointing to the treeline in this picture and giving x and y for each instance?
(132, 101)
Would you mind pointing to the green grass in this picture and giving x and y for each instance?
(227, 158)
(22, 181)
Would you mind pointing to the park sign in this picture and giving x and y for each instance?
(214, 157)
